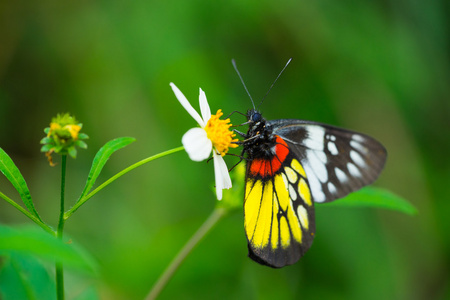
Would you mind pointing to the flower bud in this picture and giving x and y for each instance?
(63, 136)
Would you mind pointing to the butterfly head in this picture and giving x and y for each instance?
(257, 124)
(254, 117)
(260, 140)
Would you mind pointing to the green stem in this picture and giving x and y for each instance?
(28, 214)
(118, 175)
(215, 216)
(59, 233)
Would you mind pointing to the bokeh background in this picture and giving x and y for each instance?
(378, 67)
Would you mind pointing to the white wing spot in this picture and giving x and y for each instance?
(303, 216)
(332, 148)
(314, 184)
(357, 158)
(315, 136)
(292, 193)
(331, 188)
(317, 165)
(353, 170)
(358, 138)
(340, 175)
(358, 146)
(322, 156)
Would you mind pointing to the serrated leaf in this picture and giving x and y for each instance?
(101, 158)
(34, 241)
(376, 197)
(12, 173)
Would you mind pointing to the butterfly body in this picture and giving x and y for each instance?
(260, 141)
(290, 165)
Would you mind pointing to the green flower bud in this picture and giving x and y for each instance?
(63, 136)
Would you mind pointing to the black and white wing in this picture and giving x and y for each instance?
(336, 161)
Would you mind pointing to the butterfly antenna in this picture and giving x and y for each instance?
(274, 82)
(242, 80)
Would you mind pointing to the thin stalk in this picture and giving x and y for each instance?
(28, 214)
(59, 233)
(212, 220)
(117, 176)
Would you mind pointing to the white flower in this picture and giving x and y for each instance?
(213, 135)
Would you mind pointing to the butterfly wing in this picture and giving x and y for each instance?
(313, 162)
(278, 208)
(336, 161)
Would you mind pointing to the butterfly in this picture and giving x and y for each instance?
(292, 164)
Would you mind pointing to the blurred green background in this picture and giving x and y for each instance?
(378, 67)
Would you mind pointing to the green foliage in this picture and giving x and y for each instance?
(376, 198)
(12, 173)
(35, 242)
(25, 277)
(26, 256)
(101, 158)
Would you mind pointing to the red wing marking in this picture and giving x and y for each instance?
(267, 167)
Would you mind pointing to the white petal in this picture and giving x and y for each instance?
(223, 180)
(197, 144)
(187, 106)
(204, 107)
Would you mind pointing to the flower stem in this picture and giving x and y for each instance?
(215, 216)
(59, 233)
(118, 175)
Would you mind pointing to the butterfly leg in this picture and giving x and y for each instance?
(240, 133)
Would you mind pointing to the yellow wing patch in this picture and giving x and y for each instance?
(262, 231)
(303, 189)
(275, 226)
(284, 233)
(295, 164)
(276, 210)
(252, 203)
(281, 191)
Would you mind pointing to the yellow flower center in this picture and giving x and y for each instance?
(73, 129)
(53, 127)
(219, 133)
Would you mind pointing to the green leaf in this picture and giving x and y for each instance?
(81, 144)
(376, 197)
(82, 136)
(25, 277)
(12, 173)
(72, 152)
(101, 158)
(46, 148)
(33, 241)
(46, 140)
